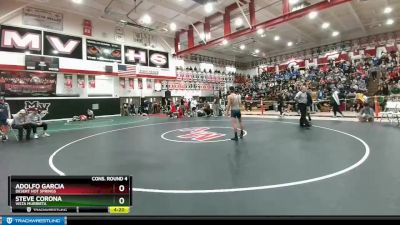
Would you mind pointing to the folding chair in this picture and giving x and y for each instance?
(389, 111)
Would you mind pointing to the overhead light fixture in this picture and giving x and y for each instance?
(277, 38)
(224, 42)
(292, 2)
(289, 43)
(55, 52)
(238, 22)
(313, 15)
(387, 10)
(325, 25)
(335, 33)
(257, 51)
(172, 26)
(146, 19)
(208, 7)
(77, 1)
(123, 21)
(260, 31)
(202, 36)
(242, 47)
(389, 22)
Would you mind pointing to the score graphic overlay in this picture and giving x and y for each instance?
(70, 194)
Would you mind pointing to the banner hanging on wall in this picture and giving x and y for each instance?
(28, 84)
(122, 82)
(149, 83)
(62, 45)
(131, 83)
(140, 83)
(92, 81)
(103, 51)
(81, 81)
(68, 82)
(42, 18)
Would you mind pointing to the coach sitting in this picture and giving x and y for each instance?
(20, 123)
(366, 114)
(36, 121)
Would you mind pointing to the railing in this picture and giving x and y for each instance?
(349, 104)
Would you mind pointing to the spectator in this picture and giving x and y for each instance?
(216, 105)
(20, 123)
(36, 121)
(366, 114)
(4, 115)
(90, 115)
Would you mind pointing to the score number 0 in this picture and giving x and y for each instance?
(121, 200)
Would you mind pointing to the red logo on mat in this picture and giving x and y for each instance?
(200, 134)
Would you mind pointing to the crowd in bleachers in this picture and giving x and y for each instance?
(368, 76)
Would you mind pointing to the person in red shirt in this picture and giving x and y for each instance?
(173, 112)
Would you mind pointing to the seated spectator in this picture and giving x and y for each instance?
(36, 121)
(22, 122)
(4, 115)
(90, 115)
(207, 109)
(366, 114)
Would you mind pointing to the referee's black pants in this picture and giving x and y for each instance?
(303, 113)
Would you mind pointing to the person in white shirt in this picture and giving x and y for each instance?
(36, 121)
(90, 114)
(193, 104)
(22, 122)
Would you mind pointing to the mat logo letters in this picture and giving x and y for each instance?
(43, 107)
(200, 134)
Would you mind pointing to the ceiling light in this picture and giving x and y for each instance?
(389, 22)
(335, 33)
(208, 7)
(77, 1)
(260, 31)
(325, 25)
(387, 10)
(202, 36)
(146, 19)
(292, 2)
(224, 42)
(257, 51)
(172, 26)
(313, 15)
(55, 52)
(238, 22)
(277, 38)
(123, 21)
(289, 43)
(242, 47)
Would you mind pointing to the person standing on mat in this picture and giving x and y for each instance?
(309, 105)
(4, 115)
(301, 99)
(336, 103)
(234, 102)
